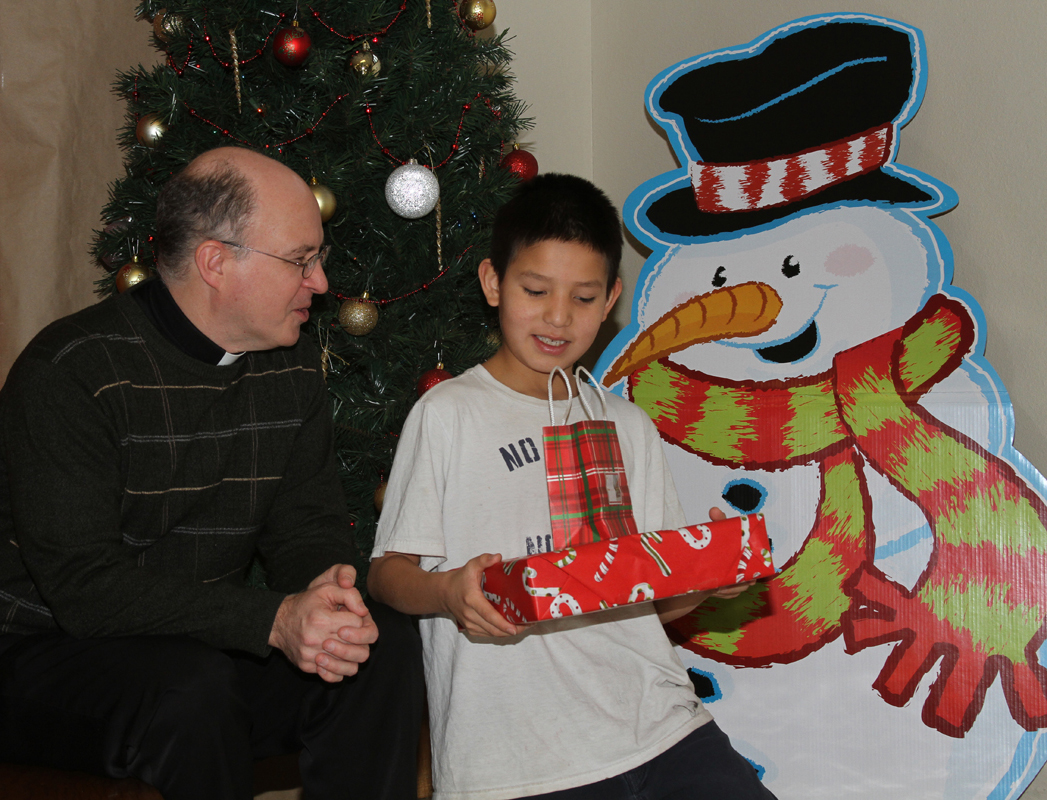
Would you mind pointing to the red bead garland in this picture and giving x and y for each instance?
(352, 37)
(242, 61)
(496, 113)
(386, 300)
(424, 287)
(225, 132)
(367, 109)
(185, 64)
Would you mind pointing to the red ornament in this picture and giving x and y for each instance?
(291, 46)
(521, 163)
(431, 378)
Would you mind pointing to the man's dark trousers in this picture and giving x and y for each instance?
(191, 720)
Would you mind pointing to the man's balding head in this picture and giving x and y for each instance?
(235, 233)
(214, 197)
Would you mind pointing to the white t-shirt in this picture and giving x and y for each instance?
(569, 701)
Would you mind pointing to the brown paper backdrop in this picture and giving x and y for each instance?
(58, 151)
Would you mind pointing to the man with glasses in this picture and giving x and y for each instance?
(151, 447)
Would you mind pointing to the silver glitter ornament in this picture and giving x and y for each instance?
(412, 190)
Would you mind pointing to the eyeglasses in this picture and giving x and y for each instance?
(307, 267)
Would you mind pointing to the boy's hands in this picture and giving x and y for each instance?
(463, 598)
(396, 580)
(726, 592)
(675, 607)
(730, 592)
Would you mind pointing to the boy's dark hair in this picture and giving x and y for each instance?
(564, 208)
(196, 205)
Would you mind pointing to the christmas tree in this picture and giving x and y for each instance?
(401, 117)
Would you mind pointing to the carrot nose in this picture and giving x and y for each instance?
(732, 312)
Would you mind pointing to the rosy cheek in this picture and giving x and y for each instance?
(849, 260)
(682, 298)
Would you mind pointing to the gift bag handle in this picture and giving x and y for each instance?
(579, 371)
(570, 395)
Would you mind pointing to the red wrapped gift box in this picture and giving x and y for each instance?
(630, 569)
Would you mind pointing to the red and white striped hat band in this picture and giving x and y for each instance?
(772, 182)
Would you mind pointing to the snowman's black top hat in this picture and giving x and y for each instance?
(804, 121)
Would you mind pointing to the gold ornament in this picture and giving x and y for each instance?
(324, 198)
(130, 274)
(357, 316)
(167, 26)
(493, 339)
(150, 130)
(379, 496)
(365, 62)
(477, 14)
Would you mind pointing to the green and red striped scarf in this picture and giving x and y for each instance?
(980, 604)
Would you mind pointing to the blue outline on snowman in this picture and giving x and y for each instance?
(868, 261)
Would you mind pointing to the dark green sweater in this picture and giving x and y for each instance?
(136, 483)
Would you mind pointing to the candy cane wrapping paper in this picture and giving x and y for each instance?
(630, 569)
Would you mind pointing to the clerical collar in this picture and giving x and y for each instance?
(155, 300)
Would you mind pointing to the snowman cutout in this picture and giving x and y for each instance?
(800, 348)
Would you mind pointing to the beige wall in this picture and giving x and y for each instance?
(58, 123)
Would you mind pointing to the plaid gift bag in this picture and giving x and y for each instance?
(588, 494)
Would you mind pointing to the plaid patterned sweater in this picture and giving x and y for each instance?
(137, 483)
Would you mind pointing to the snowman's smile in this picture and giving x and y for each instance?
(795, 349)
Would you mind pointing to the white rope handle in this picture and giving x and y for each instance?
(570, 397)
(579, 372)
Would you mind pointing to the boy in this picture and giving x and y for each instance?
(595, 706)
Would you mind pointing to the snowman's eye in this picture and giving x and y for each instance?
(790, 267)
(720, 278)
